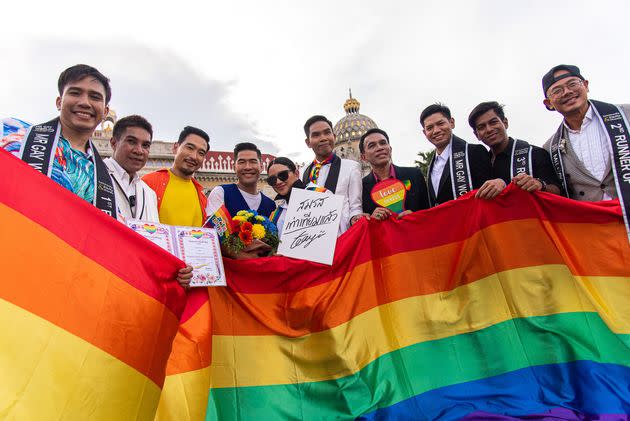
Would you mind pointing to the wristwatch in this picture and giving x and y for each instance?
(544, 185)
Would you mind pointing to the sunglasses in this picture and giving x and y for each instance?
(282, 176)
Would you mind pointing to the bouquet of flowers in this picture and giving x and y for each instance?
(248, 226)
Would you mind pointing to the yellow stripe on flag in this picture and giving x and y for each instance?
(51, 374)
(336, 353)
(185, 396)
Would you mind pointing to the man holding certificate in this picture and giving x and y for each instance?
(180, 197)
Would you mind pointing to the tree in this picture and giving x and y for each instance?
(424, 161)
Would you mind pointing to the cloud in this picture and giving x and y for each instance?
(155, 83)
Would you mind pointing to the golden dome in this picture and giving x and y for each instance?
(351, 127)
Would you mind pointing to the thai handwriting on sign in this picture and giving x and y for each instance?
(304, 221)
(312, 203)
(311, 226)
(305, 240)
(308, 220)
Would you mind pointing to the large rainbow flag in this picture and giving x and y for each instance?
(516, 307)
(88, 308)
(511, 308)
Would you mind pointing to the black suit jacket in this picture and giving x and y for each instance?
(416, 199)
(479, 173)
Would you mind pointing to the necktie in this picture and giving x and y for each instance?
(318, 166)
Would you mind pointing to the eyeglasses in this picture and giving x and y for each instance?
(571, 86)
(282, 176)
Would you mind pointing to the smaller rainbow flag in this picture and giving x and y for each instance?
(221, 221)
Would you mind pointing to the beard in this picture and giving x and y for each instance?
(186, 171)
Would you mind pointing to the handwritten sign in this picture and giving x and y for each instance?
(311, 226)
(390, 194)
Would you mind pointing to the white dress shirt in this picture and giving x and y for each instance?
(145, 208)
(592, 146)
(216, 199)
(438, 167)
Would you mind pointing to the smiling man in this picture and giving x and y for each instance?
(581, 147)
(131, 144)
(512, 160)
(375, 148)
(339, 176)
(457, 167)
(180, 197)
(61, 148)
(243, 195)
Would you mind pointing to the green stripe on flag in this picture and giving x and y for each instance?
(399, 375)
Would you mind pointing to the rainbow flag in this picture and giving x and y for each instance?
(185, 392)
(221, 221)
(88, 308)
(516, 307)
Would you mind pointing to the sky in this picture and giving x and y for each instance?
(255, 71)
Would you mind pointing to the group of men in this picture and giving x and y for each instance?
(588, 158)
(577, 161)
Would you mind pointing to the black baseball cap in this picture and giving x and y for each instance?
(549, 79)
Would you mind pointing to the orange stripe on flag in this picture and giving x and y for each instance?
(312, 310)
(56, 282)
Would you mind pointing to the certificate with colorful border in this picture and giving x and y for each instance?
(198, 247)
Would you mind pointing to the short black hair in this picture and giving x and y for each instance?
(483, 108)
(432, 109)
(188, 130)
(313, 120)
(369, 132)
(246, 146)
(131, 121)
(281, 160)
(80, 71)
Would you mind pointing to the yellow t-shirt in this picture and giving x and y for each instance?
(180, 204)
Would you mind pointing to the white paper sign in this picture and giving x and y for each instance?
(198, 247)
(311, 226)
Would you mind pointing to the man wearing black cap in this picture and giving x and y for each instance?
(581, 147)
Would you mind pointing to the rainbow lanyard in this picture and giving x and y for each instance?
(314, 175)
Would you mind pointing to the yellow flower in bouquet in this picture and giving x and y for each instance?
(258, 231)
(239, 218)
